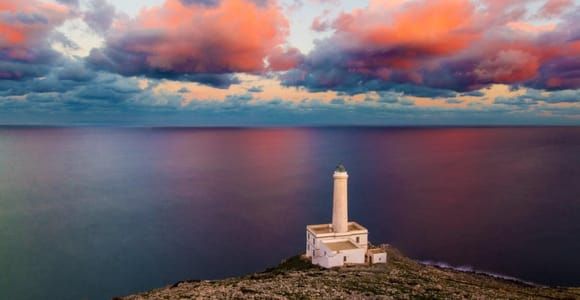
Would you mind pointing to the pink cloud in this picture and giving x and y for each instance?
(453, 44)
(319, 24)
(555, 7)
(531, 28)
(26, 22)
(181, 39)
(27, 28)
(284, 59)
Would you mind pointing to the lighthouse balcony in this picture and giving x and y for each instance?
(325, 230)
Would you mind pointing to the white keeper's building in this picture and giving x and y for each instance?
(341, 242)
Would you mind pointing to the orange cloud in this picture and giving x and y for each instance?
(430, 27)
(180, 39)
(28, 22)
(425, 47)
(531, 28)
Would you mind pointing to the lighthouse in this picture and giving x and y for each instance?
(340, 200)
(341, 242)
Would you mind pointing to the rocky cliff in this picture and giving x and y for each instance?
(401, 278)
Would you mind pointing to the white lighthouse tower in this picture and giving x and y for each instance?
(341, 242)
(340, 200)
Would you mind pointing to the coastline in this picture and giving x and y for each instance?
(401, 277)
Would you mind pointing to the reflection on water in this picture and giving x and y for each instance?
(94, 213)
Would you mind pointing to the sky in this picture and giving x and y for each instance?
(289, 62)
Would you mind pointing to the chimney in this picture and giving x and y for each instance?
(340, 200)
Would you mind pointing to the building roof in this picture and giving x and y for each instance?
(376, 250)
(340, 245)
(340, 168)
(327, 228)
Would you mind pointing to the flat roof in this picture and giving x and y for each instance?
(327, 228)
(341, 245)
(376, 250)
(322, 228)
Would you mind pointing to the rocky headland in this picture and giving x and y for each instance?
(401, 278)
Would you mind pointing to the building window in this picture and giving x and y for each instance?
(313, 254)
(357, 239)
(344, 258)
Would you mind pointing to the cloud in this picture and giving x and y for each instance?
(320, 24)
(533, 96)
(255, 89)
(26, 32)
(183, 90)
(73, 3)
(394, 62)
(284, 59)
(555, 7)
(201, 2)
(203, 43)
(75, 71)
(217, 2)
(516, 101)
(422, 47)
(100, 15)
(474, 94)
(454, 101)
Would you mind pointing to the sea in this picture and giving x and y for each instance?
(94, 213)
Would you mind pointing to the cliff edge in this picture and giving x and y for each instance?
(401, 278)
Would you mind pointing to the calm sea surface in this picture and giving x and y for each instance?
(96, 213)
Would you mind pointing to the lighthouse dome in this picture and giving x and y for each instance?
(340, 168)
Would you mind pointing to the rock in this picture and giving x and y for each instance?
(401, 278)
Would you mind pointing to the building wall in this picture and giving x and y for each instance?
(322, 256)
(363, 239)
(337, 259)
(309, 247)
(355, 256)
(379, 258)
